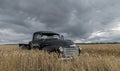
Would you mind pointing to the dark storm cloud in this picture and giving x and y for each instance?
(79, 19)
(52, 13)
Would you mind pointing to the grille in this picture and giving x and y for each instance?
(69, 52)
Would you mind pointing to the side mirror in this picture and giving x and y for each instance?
(62, 37)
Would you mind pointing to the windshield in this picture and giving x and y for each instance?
(50, 37)
(45, 36)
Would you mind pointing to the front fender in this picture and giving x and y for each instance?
(79, 49)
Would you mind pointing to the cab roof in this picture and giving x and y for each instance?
(46, 32)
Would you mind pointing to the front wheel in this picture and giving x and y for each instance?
(79, 51)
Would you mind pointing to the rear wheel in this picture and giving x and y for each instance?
(29, 46)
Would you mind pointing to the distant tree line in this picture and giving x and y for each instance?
(100, 43)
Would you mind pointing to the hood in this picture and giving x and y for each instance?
(51, 42)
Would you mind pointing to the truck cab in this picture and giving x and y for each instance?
(54, 42)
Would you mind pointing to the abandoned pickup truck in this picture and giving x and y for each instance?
(52, 42)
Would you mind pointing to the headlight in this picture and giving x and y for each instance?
(80, 48)
(61, 49)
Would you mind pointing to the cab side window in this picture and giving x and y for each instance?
(37, 37)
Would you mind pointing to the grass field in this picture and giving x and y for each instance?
(94, 57)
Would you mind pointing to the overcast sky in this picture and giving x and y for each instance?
(79, 20)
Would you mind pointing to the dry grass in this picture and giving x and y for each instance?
(94, 57)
